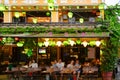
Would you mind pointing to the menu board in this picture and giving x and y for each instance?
(91, 52)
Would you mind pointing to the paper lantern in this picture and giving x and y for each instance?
(50, 6)
(81, 20)
(35, 20)
(47, 13)
(101, 6)
(2, 7)
(70, 14)
(17, 14)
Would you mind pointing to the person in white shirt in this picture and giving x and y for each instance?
(33, 64)
(60, 64)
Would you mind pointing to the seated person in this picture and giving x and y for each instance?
(33, 64)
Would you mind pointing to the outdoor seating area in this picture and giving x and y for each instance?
(56, 71)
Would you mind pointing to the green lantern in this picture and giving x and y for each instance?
(47, 13)
(20, 43)
(50, 1)
(17, 14)
(50, 6)
(2, 7)
(35, 20)
(70, 14)
(101, 6)
(81, 20)
(40, 44)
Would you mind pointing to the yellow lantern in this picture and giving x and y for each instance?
(35, 20)
(81, 20)
(70, 14)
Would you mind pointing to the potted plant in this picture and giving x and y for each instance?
(110, 49)
(109, 58)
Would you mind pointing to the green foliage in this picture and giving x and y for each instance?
(110, 50)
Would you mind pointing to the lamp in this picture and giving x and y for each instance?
(59, 43)
(98, 43)
(72, 42)
(70, 14)
(46, 43)
(2, 7)
(81, 20)
(84, 43)
(101, 6)
(50, 6)
(17, 14)
(47, 13)
(35, 20)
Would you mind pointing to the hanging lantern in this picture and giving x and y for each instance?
(81, 20)
(2, 7)
(98, 43)
(70, 14)
(59, 43)
(16, 39)
(47, 13)
(78, 7)
(101, 6)
(17, 14)
(46, 43)
(72, 42)
(20, 43)
(35, 20)
(50, 1)
(50, 6)
(85, 43)
(63, 7)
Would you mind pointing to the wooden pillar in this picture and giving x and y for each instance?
(54, 16)
(58, 53)
(8, 16)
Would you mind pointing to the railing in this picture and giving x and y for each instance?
(52, 24)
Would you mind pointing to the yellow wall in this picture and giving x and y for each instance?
(59, 2)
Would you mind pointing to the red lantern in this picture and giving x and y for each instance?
(16, 38)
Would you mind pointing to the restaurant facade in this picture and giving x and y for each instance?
(48, 30)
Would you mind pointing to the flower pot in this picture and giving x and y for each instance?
(107, 75)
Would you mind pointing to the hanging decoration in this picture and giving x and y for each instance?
(92, 43)
(17, 14)
(78, 7)
(50, 4)
(20, 43)
(40, 44)
(59, 43)
(101, 6)
(81, 20)
(78, 42)
(84, 43)
(35, 20)
(70, 14)
(2, 7)
(48, 13)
